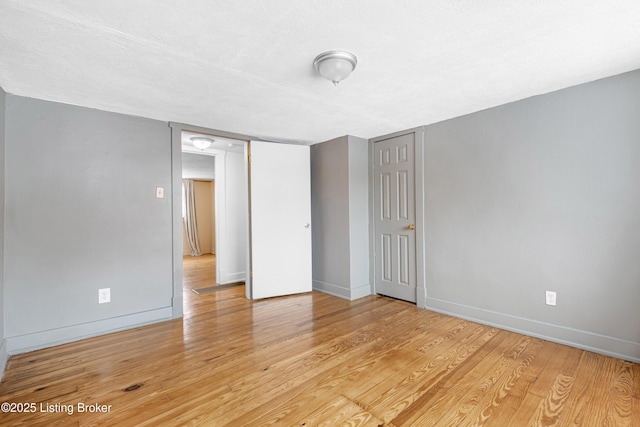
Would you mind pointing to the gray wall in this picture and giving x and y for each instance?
(339, 211)
(541, 194)
(3, 347)
(81, 214)
(330, 215)
(359, 217)
(198, 166)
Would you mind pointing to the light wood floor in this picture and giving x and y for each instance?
(199, 271)
(313, 359)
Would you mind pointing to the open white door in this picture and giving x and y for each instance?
(280, 214)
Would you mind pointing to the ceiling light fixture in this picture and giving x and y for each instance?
(335, 65)
(201, 142)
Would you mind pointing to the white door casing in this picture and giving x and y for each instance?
(394, 217)
(280, 212)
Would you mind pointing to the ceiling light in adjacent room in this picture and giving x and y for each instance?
(335, 65)
(201, 142)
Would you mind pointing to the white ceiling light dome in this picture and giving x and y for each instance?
(335, 65)
(201, 142)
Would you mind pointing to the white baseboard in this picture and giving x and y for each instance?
(226, 278)
(38, 340)
(360, 291)
(610, 346)
(176, 306)
(342, 292)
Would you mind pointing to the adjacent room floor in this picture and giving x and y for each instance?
(199, 271)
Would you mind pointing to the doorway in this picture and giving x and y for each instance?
(214, 224)
(238, 230)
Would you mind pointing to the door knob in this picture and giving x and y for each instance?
(411, 227)
(307, 225)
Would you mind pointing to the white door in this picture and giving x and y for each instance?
(394, 211)
(280, 214)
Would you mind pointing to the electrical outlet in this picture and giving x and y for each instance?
(159, 192)
(551, 298)
(104, 295)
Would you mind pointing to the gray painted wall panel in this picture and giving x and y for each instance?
(541, 194)
(340, 216)
(359, 213)
(81, 214)
(330, 212)
(198, 166)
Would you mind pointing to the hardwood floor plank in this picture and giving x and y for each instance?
(563, 362)
(551, 407)
(250, 384)
(416, 389)
(458, 387)
(314, 359)
(355, 371)
(588, 394)
(339, 412)
(402, 363)
(501, 415)
(382, 390)
(497, 386)
(351, 347)
(620, 402)
(634, 417)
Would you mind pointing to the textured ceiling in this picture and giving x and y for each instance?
(246, 66)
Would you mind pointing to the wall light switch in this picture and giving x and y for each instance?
(551, 298)
(104, 295)
(159, 192)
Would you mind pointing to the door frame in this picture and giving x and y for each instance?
(176, 203)
(419, 196)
